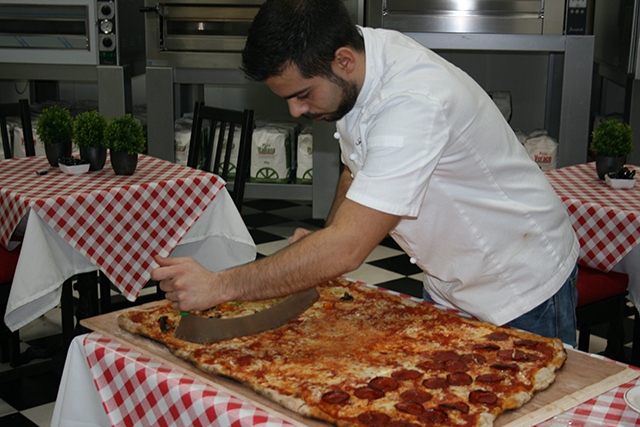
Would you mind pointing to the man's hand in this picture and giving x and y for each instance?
(298, 234)
(187, 284)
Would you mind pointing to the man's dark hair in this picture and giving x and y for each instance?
(305, 33)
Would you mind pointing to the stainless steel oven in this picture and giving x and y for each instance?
(481, 16)
(197, 33)
(204, 33)
(72, 32)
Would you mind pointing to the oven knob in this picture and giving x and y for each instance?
(105, 10)
(107, 42)
(106, 26)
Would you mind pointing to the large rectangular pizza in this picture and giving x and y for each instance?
(361, 357)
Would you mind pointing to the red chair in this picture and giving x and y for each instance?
(602, 299)
(9, 341)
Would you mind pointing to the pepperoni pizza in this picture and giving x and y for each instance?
(361, 357)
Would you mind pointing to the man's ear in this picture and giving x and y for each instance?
(345, 60)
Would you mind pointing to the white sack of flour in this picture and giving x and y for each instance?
(542, 149)
(270, 155)
(304, 169)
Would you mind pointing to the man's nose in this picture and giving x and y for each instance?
(297, 108)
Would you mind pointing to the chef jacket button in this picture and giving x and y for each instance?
(412, 260)
(352, 176)
(353, 156)
(336, 135)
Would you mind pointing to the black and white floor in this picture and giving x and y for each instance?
(29, 402)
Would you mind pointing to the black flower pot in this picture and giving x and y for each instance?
(606, 164)
(97, 156)
(123, 163)
(57, 150)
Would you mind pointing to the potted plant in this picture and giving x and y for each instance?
(88, 129)
(612, 142)
(125, 138)
(55, 129)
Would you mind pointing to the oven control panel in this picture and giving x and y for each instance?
(576, 17)
(107, 42)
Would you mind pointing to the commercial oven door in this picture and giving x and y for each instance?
(197, 33)
(471, 16)
(59, 32)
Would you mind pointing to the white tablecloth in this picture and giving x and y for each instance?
(78, 403)
(219, 239)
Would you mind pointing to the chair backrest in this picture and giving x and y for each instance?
(17, 109)
(214, 130)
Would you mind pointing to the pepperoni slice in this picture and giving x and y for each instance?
(406, 374)
(530, 357)
(456, 406)
(368, 392)
(402, 423)
(419, 396)
(505, 366)
(433, 416)
(497, 336)
(413, 408)
(459, 378)
(512, 354)
(384, 383)
(473, 358)
(443, 356)
(455, 366)
(486, 347)
(482, 396)
(431, 365)
(435, 383)
(525, 343)
(489, 378)
(335, 396)
(374, 418)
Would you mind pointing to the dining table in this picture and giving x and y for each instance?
(114, 378)
(73, 224)
(606, 221)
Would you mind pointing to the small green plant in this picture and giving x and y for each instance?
(612, 138)
(88, 129)
(55, 125)
(124, 133)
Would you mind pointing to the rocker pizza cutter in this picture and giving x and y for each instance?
(202, 330)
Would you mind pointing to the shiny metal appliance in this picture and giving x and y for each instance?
(197, 33)
(103, 32)
(481, 16)
(50, 41)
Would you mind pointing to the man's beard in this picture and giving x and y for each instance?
(348, 100)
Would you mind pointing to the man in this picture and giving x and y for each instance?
(428, 158)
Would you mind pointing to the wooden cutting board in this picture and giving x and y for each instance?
(583, 377)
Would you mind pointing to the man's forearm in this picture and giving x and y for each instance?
(344, 182)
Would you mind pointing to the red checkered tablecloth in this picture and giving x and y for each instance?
(606, 220)
(138, 391)
(117, 222)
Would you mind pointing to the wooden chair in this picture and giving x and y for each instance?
(16, 109)
(206, 151)
(601, 300)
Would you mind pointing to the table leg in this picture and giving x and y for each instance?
(86, 285)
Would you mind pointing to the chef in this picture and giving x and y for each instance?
(428, 159)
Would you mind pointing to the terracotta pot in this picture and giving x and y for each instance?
(123, 163)
(97, 156)
(606, 164)
(55, 151)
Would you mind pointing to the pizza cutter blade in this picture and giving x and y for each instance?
(202, 330)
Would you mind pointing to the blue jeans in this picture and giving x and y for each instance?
(556, 317)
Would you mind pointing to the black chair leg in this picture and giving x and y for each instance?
(615, 336)
(584, 338)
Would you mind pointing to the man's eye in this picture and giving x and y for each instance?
(303, 97)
